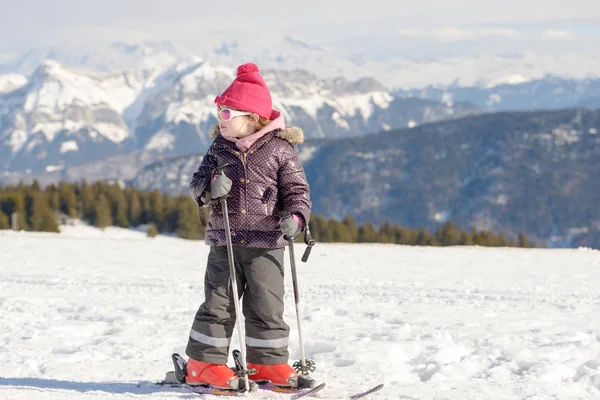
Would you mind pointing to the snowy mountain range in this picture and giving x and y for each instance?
(393, 56)
(536, 172)
(67, 106)
(551, 92)
(61, 117)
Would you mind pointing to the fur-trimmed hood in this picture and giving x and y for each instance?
(293, 134)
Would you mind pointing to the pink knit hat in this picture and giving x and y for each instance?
(248, 92)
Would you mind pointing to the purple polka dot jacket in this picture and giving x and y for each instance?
(266, 179)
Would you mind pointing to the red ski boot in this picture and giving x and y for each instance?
(215, 375)
(277, 374)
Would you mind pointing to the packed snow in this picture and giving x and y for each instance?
(89, 314)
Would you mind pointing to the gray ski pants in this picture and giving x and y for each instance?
(260, 280)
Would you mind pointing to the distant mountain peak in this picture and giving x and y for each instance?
(11, 82)
(299, 43)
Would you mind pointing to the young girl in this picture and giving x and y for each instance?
(264, 176)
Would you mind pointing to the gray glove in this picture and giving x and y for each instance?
(220, 187)
(291, 226)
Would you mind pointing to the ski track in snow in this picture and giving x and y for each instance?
(87, 314)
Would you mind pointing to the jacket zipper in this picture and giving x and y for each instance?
(244, 162)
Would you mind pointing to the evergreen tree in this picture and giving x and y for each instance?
(99, 188)
(340, 232)
(4, 222)
(482, 238)
(188, 226)
(387, 233)
(501, 240)
(119, 206)
(16, 204)
(86, 194)
(102, 216)
(367, 233)
(156, 208)
(134, 206)
(316, 228)
(42, 218)
(146, 212)
(169, 221)
(465, 238)
(35, 186)
(522, 240)
(171, 214)
(327, 234)
(68, 200)
(53, 197)
(424, 238)
(405, 236)
(447, 235)
(351, 228)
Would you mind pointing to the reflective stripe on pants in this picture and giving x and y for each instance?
(260, 279)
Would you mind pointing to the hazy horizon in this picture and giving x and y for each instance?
(431, 24)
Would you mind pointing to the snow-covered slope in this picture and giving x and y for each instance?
(91, 313)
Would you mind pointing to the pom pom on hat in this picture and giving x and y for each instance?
(248, 92)
(247, 68)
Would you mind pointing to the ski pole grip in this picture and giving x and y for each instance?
(219, 170)
(283, 215)
(310, 242)
(308, 239)
(306, 254)
(206, 198)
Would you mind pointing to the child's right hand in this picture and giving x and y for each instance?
(220, 187)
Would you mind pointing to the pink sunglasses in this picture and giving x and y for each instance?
(226, 114)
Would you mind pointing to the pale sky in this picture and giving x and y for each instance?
(26, 23)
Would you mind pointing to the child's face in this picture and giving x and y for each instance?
(239, 125)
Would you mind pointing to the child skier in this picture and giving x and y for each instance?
(264, 176)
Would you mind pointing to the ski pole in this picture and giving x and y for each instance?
(234, 288)
(304, 366)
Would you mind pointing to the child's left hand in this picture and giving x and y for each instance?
(292, 225)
